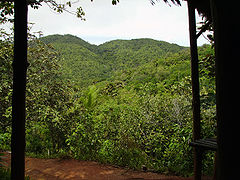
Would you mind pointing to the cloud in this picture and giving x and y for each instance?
(127, 20)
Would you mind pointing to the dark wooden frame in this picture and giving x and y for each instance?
(195, 90)
(225, 23)
(19, 90)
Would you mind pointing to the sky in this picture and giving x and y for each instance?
(129, 19)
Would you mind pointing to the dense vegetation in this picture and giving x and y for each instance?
(126, 103)
(84, 63)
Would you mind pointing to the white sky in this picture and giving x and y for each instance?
(128, 20)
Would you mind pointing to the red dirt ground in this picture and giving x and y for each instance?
(70, 169)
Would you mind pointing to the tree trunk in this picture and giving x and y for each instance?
(19, 89)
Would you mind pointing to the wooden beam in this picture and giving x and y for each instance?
(226, 37)
(19, 88)
(195, 90)
(194, 73)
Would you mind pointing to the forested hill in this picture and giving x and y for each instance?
(129, 103)
(68, 39)
(84, 63)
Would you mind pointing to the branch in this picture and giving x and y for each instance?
(203, 28)
(6, 8)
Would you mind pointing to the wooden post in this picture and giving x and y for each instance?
(19, 89)
(195, 90)
(226, 37)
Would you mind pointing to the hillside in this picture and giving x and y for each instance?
(80, 64)
(84, 63)
(122, 54)
(68, 39)
(129, 103)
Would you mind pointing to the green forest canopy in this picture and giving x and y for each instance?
(84, 63)
(125, 102)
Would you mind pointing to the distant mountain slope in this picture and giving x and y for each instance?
(122, 54)
(137, 44)
(85, 63)
(79, 62)
(68, 39)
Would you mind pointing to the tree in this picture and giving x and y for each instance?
(19, 79)
(20, 64)
(6, 55)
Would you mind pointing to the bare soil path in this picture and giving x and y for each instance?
(70, 169)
